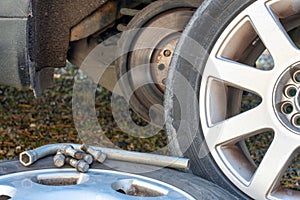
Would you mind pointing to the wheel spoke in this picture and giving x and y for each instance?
(274, 163)
(239, 75)
(272, 33)
(238, 127)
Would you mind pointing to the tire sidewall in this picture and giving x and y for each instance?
(205, 27)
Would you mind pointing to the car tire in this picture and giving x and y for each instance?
(190, 115)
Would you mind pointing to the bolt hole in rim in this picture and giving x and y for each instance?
(138, 188)
(4, 197)
(7, 192)
(287, 108)
(62, 179)
(296, 76)
(296, 120)
(290, 91)
(288, 101)
(96, 184)
(263, 25)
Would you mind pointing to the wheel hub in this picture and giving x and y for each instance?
(160, 26)
(162, 59)
(287, 98)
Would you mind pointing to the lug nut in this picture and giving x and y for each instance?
(69, 150)
(79, 165)
(59, 159)
(97, 154)
(296, 120)
(296, 76)
(87, 158)
(290, 91)
(286, 108)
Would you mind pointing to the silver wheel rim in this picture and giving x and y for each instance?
(95, 185)
(221, 132)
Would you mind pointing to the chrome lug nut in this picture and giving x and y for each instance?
(87, 158)
(59, 160)
(97, 154)
(69, 150)
(79, 165)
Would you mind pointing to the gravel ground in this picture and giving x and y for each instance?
(27, 122)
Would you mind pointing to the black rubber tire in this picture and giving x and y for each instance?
(193, 185)
(205, 27)
(127, 38)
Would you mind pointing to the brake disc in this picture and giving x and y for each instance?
(170, 18)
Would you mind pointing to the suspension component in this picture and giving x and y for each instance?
(129, 12)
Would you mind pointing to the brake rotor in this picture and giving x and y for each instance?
(157, 30)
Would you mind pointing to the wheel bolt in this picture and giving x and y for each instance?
(296, 76)
(290, 91)
(287, 108)
(167, 53)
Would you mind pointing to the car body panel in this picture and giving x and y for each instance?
(14, 63)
